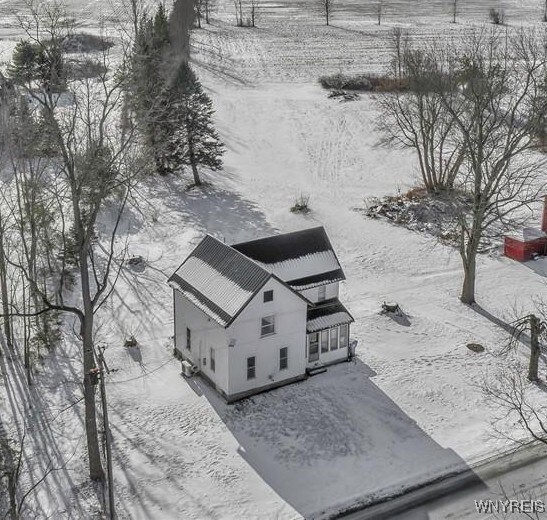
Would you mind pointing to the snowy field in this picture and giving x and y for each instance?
(407, 410)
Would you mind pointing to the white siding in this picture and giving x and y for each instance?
(206, 334)
(331, 291)
(290, 331)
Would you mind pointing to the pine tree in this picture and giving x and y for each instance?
(173, 112)
(202, 145)
(43, 63)
(148, 84)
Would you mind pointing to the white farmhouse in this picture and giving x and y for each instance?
(260, 314)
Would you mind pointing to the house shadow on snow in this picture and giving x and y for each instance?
(333, 441)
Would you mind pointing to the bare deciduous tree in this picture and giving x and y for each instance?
(253, 8)
(415, 116)
(497, 109)
(489, 96)
(238, 5)
(199, 11)
(379, 11)
(89, 170)
(326, 8)
(208, 6)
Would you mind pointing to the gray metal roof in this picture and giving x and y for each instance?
(303, 259)
(329, 313)
(218, 279)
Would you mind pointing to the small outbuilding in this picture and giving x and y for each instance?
(528, 242)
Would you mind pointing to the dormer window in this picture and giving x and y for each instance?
(268, 296)
(322, 293)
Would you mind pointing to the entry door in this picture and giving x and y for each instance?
(313, 349)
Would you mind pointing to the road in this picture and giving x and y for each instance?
(518, 476)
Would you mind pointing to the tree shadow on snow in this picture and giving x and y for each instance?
(333, 441)
(214, 210)
(48, 443)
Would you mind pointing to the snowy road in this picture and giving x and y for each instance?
(520, 477)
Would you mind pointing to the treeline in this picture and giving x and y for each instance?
(170, 106)
(80, 128)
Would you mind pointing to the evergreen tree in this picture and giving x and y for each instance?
(201, 144)
(173, 112)
(42, 63)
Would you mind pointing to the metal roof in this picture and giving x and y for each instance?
(327, 314)
(303, 259)
(218, 279)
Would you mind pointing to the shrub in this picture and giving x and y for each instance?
(86, 68)
(497, 16)
(341, 81)
(82, 43)
(363, 82)
(301, 204)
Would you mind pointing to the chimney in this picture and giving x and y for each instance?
(544, 219)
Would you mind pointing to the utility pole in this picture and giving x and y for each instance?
(454, 9)
(535, 329)
(107, 435)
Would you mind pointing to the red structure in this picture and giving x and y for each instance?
(529, 242)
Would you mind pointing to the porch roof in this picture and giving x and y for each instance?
(330, 313)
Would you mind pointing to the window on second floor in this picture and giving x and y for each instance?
(321, 293)
(268, 296)
(212, 363)
(267, 326)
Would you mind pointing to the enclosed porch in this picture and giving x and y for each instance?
(328, 329)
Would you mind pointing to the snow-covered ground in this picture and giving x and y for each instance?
(407, 409)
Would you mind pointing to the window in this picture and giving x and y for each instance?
(283, 358)
(322, 293)
(344, 335)
(188, 339)
(334, 338)
(268, 296)
(324, 341)
(267, 326)
(212, 358)
(251, 367)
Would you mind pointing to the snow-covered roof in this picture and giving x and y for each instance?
(303, 259)
(218, 279)
(327, 314)
(527, 234)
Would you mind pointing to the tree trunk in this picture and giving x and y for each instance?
(93, 450)
(197, 180)
(534, 349)
(4, 294)
(469, 269)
